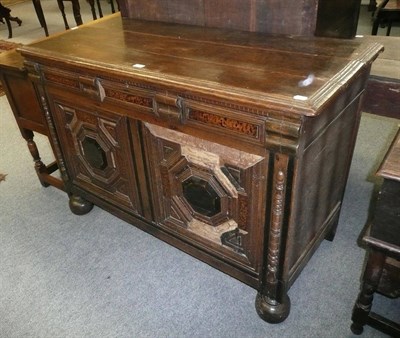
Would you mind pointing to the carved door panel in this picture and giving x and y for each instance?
(98, 154)
(208, 194)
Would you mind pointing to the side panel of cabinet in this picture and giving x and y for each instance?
(210, 195)
(96, 145)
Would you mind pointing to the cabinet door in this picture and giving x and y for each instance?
(208, 194)
(97, 151)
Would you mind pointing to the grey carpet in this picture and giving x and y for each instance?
(63, 275)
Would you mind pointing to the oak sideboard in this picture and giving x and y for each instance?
(233, 146)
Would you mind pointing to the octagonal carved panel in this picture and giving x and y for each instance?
(99, 154)
(206, 191)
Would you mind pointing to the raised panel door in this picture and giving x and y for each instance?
(99, 157)
(209, 194)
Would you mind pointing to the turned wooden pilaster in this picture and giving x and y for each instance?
(273, 303)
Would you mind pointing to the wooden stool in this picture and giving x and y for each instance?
(5, 16)
(382, 271)
(387, 12)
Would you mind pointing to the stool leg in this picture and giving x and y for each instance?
(362, 308)
(389, 28)
(39, 13)
(112, 6)
(99, 7)
(375, 26)
(76, 9)
(62, 10)
(371, 277)
(93, 9)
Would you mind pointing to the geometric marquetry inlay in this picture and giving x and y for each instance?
(241, 127)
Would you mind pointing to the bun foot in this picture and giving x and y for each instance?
(270, 310)
(79, 206)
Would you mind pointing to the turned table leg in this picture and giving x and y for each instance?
(371, 277)
(40, 167)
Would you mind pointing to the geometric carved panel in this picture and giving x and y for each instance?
(207, 191)
(99, 154)
(95, 151)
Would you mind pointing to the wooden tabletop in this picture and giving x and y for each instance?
(390, 167)
(300, 72)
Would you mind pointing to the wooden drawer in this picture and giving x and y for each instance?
(210, 118)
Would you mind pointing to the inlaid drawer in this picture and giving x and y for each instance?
(251, 124)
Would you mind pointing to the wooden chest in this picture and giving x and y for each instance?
(232, 146)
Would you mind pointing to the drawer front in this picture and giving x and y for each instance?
(96, 145)
(208, 194)
(176, 107)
